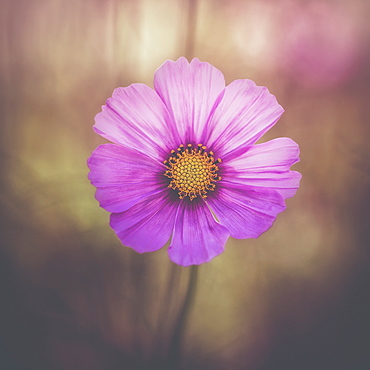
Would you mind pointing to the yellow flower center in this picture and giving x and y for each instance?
(193, 171)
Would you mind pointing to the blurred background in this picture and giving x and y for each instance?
(73, 298)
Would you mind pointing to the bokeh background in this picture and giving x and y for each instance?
(73, 298)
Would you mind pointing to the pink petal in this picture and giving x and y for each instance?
(136, 117)
(148, 225)
(197, 236)
(244, 114)
(267, 165)
(123, 176)
(190, 91)
(246, 211)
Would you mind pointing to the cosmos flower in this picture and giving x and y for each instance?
(184, 164)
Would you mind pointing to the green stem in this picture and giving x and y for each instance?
(174, 355)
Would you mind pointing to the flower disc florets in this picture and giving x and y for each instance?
(151, 202)
(193, 171)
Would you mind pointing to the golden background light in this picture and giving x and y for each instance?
(74, 298)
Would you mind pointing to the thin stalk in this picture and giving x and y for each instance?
(165, 314)
(174, 355)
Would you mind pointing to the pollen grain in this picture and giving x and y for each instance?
(193, 171)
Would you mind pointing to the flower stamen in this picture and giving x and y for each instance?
(193, 171)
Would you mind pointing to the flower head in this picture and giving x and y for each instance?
(184, 164)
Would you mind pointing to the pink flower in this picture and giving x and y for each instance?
(184, 162)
